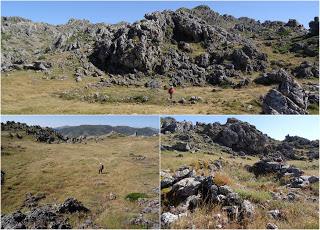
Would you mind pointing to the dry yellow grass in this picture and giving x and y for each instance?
(300, 215)
(25, 92)
(71, 170)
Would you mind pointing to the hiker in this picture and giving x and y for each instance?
(101, 168)
(171, 91)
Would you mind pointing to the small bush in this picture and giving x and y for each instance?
(255, 196)
(221, 179)
(135, 196)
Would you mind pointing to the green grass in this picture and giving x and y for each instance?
(134, 196)
(197, 49)
(254, 195)
(313, 108)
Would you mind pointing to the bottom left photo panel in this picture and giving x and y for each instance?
(80, 172)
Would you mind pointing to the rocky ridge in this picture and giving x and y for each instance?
(186, 47)
(47, 135)
(235, 137)
(49, 216)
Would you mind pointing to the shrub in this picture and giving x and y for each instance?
(221, 179)
(135, 196)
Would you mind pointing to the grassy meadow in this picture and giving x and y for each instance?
(71, 170)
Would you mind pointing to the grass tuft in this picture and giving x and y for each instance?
(254, 196)
(222, 179)
(135, 196)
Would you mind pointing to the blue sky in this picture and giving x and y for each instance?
(74, 120)
(113, 12)
(276, 127)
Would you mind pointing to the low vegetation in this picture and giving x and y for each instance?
(297, 214)
(71, 170)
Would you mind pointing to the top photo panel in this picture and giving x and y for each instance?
(160, 57)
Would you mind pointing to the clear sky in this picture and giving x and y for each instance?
(276, 127)
(112, 12)
(74, 120)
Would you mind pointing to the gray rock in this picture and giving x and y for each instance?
(2, 177)
(167, 182)
(225, 190)
(167, 218)
(233, 199)
(182, 146)
(271, 226)
(153, 84)
(274, 77)
(314, 26)
(185, 188)
(275, 214)
(182, 173)
(246, 210)
(72, 205)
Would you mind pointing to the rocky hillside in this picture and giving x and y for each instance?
(187, 47)
(99, 130)
(19, 130)
(235, 137)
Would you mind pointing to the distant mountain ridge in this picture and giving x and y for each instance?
(99, 130)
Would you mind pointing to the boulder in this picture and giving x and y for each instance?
(289, 98)
(203, 60)
(182, 146)
(182, 173)
(271, 226)
(274, 77)
(233, 199)
(246, 210)
(153, 84)
(169, 124)
(185, 188)
(72, 205)
(314, 27)
(306, 70)
(225, 190)
(2, 177)
(167, 218)
(166, 181)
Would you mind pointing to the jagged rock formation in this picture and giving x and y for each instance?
(72, 134)
(189, 46)
(291, 175)
(235, 137)
(288, 98)
(186, 47)
(47, 135)
(314, 26)
(43, 217)
(189, 191)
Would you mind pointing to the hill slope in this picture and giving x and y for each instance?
(184, 48)
(99, 130)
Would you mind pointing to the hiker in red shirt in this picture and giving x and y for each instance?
(171, 91)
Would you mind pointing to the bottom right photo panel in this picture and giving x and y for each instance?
(234, 172)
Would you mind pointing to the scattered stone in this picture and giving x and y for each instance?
(271, 226)
(168, 218)
(112, 196)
